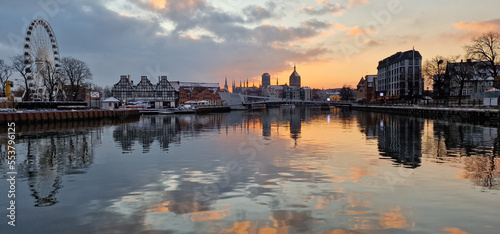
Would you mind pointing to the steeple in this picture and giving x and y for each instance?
(294, 68)
(225, 84)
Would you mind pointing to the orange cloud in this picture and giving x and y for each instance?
(451, 230)
(340, 27)
(159, 4)
(357, 31)
(354, 3)
(479, 26)
(189, 36)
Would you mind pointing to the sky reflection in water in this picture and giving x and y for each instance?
(276, 171)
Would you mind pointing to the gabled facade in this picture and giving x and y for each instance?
(162, 94)
(124, 89)
(145, 90)
(366, 89)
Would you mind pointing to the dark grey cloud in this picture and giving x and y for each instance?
(326, 8)
(113, 44)
(256, 13)
(316, 24)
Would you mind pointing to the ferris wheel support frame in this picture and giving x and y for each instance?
(38, 91)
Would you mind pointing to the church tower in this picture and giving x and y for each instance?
(295, 78)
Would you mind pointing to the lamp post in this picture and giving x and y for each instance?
(440, 81)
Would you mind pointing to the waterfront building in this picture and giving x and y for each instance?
(196, 91)
(273, 91)
(306, 94)
(400, 75)
(291, 93)
(110, 103)
(474, 75)
(161, 94)
(366, 89)
(266, 79)
(295, 78)
(124, 89)
(144, 90)
(166, 93)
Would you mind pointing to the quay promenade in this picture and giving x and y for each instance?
(491, 116)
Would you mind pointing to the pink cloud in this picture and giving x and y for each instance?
(479, 26)
(356, 31)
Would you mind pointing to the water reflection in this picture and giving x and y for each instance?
(399, 137)
(477, 147)
(275, 171)
(407, 139)
(52, 155)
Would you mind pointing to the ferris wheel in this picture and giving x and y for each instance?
(41, 56)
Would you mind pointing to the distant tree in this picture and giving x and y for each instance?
(486, 48)
(21, 66)
(106, 92)
(76, 74)
(5, 73)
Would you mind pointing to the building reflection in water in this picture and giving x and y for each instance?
(407, 139)
(399, 137)
(474, 146)
(297, 189)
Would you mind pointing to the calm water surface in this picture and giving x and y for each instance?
(276, 171)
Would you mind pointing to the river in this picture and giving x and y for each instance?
(273, 171)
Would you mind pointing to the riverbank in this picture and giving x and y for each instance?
(70, 115)
(458, 114)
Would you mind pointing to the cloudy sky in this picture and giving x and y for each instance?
(332, 42)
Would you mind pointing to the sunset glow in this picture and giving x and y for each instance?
(333, 43)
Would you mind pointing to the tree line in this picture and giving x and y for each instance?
(73, 74)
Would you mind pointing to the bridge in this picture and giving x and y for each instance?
(271, 101)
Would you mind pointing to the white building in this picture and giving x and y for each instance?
(400, 75)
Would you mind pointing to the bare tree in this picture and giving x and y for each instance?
(486, 48)
(20, 65)
(434, 74)
(51, 79)
(76, 73)
(5, 73)
(459, 73)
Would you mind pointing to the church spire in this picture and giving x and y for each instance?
(225, 84)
